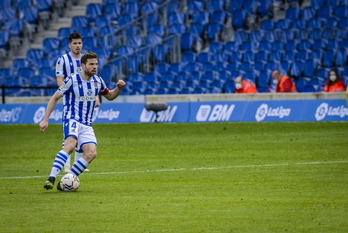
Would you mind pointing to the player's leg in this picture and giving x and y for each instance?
(90, 152)
(60, 160)
(87, 143)
(70, 131)
(67, 165)
(78, 155)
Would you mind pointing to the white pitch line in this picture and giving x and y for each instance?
(189, 169)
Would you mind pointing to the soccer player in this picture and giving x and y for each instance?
(67, 65)
(79, 92)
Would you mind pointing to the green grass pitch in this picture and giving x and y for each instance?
(198, 177)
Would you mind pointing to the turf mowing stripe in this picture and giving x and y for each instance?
(184, 169)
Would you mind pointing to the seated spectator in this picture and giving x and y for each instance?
(243, 86)
(283, 83)
(334, 82)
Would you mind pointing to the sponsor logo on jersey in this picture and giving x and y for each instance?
(87, 98)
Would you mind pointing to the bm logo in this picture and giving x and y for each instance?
(218, 113)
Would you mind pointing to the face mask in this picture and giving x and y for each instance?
(238, 85)
(275, 81)
(332, 77)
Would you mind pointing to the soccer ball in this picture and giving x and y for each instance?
(69, 183)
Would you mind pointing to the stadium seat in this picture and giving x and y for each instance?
(182, 76)
(201, 17)
(93, 10)
(324, 12)
(292, 13)
(195, 5)
(208, 66)
(308, 13)
(113, 10)
(341, 11)
(220, 66)
(79, 21)
(341, 58)
(267, 25)
(219, 16)
(157, 29)
(317, 3)
(213, 30)
(34, 55)
(328, 58)
(132, 9)
(280, 55)
(229, 87)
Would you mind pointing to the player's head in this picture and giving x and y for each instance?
(89, 62)
(75, 43)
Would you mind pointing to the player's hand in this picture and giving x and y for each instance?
(43, 125)
(121, 84)
(97, 102)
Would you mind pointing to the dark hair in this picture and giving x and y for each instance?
(88, 55)
(74, 35)
(338, 78)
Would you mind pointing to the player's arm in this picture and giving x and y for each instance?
(112, 94)
(50, 107)
(60, 80)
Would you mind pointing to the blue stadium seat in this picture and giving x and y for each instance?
(201, 17)
(208, 66)
(220, 66)
(14, 27)
(316, 54)
(238, 18)
(177, 29)
(176, 18)
(113, 10)
(210, 76)
(292, 13)
(343, 23)
(195, 5)
(34, 55)
(189, 56)
(204, 57)
(213, 30)
(316, 23)
(93, 10)
(298, 24)
(216, 5)
(332, 22)
(197, 28)
(176, 67)
(4, 39)
(310, 67)
(90, 43)
(341, 58)
(168, 76)
(328, 58)
(283, 24)
(135, 77)
(157, 29)
(229, 87)
(264, 8)
(131, 8)
(284, 66)
(79, 21)
(341, 11)
(324, 12)
(216, 47)
(255, 35)
(162, 67)
(47, 71)
(262, 56)
(182, 76)
(317, 3)
(265, 45)
(267, 24)
(297, 68)
(308, 13)
(219, 16)
(259, 66)
(193, 66)
(277, 55)
(26, 72)
(231, 47)
(248, 57)
(233, 66)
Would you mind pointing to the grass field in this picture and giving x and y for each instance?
(209, 177)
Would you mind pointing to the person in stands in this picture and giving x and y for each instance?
(244, 86)
(283, 83)
(334, 82)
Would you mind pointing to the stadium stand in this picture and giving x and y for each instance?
(195, 48)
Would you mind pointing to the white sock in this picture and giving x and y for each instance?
(78, 155)
(67, 163)
(79, 166)
(59, 162)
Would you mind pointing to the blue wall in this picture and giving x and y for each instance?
(248, 111)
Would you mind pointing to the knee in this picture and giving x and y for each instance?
(90, 155)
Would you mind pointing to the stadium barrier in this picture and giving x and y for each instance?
(203, 111)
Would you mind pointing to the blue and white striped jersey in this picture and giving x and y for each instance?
(67, 65)
(79, 97)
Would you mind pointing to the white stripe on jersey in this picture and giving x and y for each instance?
(79, 97)
(67, 65)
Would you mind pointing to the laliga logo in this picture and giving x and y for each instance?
(109, 114)
(324, 110)
(40, 113)
(264, 111)
(321, 111)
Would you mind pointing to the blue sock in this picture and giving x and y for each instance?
(79, 166)
(59, 162)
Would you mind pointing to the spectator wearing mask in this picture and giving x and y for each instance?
(243, 86)
(283, 83)
(334, 82)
